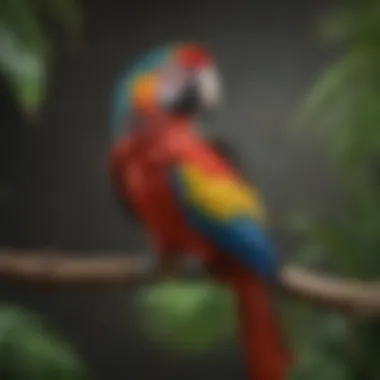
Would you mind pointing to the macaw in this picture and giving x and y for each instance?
(188, 196)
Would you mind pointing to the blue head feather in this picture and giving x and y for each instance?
(121, 101)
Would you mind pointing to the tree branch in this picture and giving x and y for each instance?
(358, 296)
(69, 267)
(73, 267)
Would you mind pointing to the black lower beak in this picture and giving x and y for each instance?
(188, 102)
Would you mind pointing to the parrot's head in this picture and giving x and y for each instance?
(176, 80)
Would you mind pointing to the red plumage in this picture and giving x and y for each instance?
(193, 56)
(139, 165)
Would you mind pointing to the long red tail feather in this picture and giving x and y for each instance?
(267, 355)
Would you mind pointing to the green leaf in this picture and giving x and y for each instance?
(334, 91)
(30, 351)
(355, 24)
(192, 317)
(314, 365)
(43, 356)
(24, 69)
(26, 47)
(20, 18)
(66, 12)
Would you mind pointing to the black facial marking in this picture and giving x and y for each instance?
(188, 102)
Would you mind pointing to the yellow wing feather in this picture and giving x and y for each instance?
(222, 197)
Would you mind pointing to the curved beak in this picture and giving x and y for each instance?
(210, 90)
(201, 93)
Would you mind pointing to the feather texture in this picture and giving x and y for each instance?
(223, 208)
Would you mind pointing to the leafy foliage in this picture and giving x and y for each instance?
(26, 46)
(28, 350)
(345, 105)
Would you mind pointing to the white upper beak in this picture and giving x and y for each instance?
(210, 87)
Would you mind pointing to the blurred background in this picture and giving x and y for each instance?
(302, 106)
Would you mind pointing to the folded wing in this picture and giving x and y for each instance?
(227, 211)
